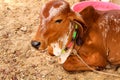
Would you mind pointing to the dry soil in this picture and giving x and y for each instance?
(19, 20)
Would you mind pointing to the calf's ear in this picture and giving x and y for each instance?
(76, 16)
(80, 32)
(77, 19)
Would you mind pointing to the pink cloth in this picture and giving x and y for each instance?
(96, 4)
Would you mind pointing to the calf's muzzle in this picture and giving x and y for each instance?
(35, 44)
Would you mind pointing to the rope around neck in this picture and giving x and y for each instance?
(99, 72)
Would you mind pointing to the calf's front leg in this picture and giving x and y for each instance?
(95, 61)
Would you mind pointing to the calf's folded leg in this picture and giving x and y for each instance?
(95, 61)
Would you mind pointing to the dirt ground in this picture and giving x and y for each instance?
(19, 20)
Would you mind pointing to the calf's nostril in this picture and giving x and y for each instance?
(35, 44)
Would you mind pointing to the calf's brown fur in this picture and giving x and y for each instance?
(100, 35)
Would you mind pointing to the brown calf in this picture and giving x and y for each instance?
(94, 35)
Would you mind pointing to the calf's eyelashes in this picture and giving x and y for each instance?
(58, 21)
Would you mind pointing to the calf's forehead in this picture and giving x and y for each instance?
(53, 8)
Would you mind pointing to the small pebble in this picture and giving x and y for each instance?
(59, 77)
(44, 73)
(24, 29)
(1, 27)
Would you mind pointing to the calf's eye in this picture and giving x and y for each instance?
(58, 21)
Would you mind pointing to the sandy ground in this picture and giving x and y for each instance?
(19, 20)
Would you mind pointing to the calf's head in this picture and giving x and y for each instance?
(55, 19)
